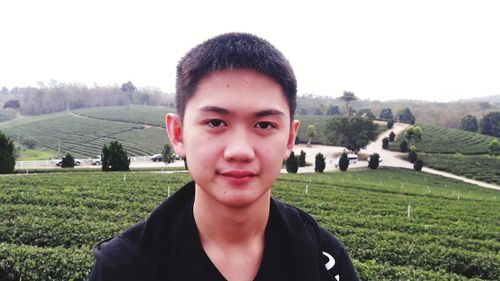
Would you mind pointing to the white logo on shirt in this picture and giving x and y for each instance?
(331, 262)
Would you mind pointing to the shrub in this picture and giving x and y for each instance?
(114, 157)
(68, 161)
(343, 162)
(292, 163)
(29, 143)
(302, 159)
(319, 163)
(390, 124)
(392, 136)
(374, 161)
(168, 153)
(403, 147)
(419, 164)
(412, 156)
(385, 143)
(7, 155)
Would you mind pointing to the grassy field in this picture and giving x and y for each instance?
(33, 155)
(49, 222)
(6, 114)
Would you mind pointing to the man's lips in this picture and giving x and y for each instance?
(238, 173)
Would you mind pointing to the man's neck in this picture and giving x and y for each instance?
(226, 225)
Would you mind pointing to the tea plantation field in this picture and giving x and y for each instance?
(49, 222)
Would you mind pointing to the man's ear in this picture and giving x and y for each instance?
(291, 137)
(173, 123)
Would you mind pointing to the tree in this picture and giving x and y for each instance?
(68, 161)
(292, 163)
(366, 112)
(413, 134)
(403, 146)
(412, 155)
(386, 113)
(319, 163)
(469, 123)
(419, 164)
(347, 97)
(114, 157)
(392, 136)
(168, 153)
(129, 89)
(12, 104)
(354, 133)
(333, 110)
(405, 115)
(343, 162)
(390, 124)
(385, 143)
(494, 147)
(374, 161)
(302, 159)
(7, 155)
(29, 142)
(311, 133)
(490, 124)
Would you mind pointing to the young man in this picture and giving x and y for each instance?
(235, 100)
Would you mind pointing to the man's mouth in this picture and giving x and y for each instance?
(238, 173)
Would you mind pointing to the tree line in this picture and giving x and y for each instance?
(57, 96)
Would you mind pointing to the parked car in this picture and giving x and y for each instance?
(96, 161)
(353, 159)
(59, 162)
(157, 158)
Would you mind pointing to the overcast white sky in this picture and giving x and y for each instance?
(380, 50)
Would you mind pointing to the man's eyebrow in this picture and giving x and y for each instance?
(223, 111)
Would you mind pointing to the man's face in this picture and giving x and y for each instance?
(235, 134)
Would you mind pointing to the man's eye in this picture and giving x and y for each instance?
(265, 125)
(216, 123)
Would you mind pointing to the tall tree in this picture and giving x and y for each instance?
(319, 163)
(469, 123)
(413, 134)
(386, 113)
(494, 147)
(354, 133)
(490, 124)
(168, 153)
(7, 155)
(311, 133)
(405, 115)
(333, 110)
(114, 157)
(347, 97)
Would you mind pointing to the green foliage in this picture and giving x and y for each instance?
(366, 112)
(347, 97)
(114, 157)
(413, 133)
(29, 143)
(385, 143)
(168, 153)
(49, 222)
(333, 110)
(490, 124)
(390, 124)
(354, 133)
(436, 139)
(14, 104)
(392, 136)
(412, 156)
(7, 154)
(343, 162)
(374, 161)
(403, 146)
(7, 114)
(478, 167)
(302, 159)
(319, 163)
(386, 113)
(469, 123)
(292, 163)
(406, 116)
(494, 147)
(418, 165)
(68, 161)
(311, 133)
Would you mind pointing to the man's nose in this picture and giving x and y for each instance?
(239, 146)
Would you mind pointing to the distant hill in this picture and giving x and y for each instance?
(491, 99)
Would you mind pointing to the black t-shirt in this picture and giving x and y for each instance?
(194, 264)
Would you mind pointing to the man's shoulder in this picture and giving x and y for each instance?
(121, 258)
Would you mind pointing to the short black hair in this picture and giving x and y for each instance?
(233, 51)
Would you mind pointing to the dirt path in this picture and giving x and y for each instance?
(390, 158)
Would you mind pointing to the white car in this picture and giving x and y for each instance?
(353, 159)
(96, 161)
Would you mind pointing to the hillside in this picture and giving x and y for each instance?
(396, 224)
